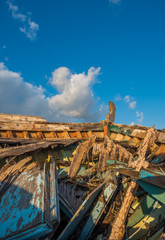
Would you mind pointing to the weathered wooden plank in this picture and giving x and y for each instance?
(151, 221)
(111, 150)
(118, 228)
(66, 207)
(80, 155)
(138, 133)
(80, 214)
(21, 118)
(21, 126)
(157, 235)
(16, 151)
(155, 191)
(13, 168)
(151, 175)
(29, 207)
(144, 209)
(103, 200)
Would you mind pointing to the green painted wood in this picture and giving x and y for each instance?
(156, 235)
(97, 211)
(142, 210)
(116, 129)
(154, 220)
(155, 191)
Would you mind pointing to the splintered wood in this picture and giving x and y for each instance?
(80, 155)
(10, 172)
(111, 150)
(148, 140)
(118, 227)
(16, 151)
(13, 168)
(19, 150)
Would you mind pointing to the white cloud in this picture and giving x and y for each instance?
(127, 99)
(130, 100)
(15, 12)
(140, 116)
(132, 105)
(30, 28)
(18, 96)
(75, 99)
(115, 1)
(60, 77)
(118, 98)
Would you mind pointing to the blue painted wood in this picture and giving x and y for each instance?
(155, 177)
(80, 214)
(104, 198)
(158, 160)
(54, 197)
(30, 201)
(66, 207)
(33, 233)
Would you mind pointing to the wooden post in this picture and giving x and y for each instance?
(106, 130)
(110, 117)
(118, 228)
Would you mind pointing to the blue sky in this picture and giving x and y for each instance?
(65, 60)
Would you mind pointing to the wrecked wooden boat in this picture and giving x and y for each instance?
(81, 180)
(30, 204)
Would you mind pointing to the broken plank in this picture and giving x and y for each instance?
(80, 214)
(29, 203)
(103, 200)
(80, 155)
(66, 207)
(16, 151)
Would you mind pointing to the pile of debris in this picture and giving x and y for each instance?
(81, 181)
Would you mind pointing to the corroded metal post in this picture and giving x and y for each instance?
(118, 228)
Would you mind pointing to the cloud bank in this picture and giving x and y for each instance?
(74, 101)
(29, 28)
